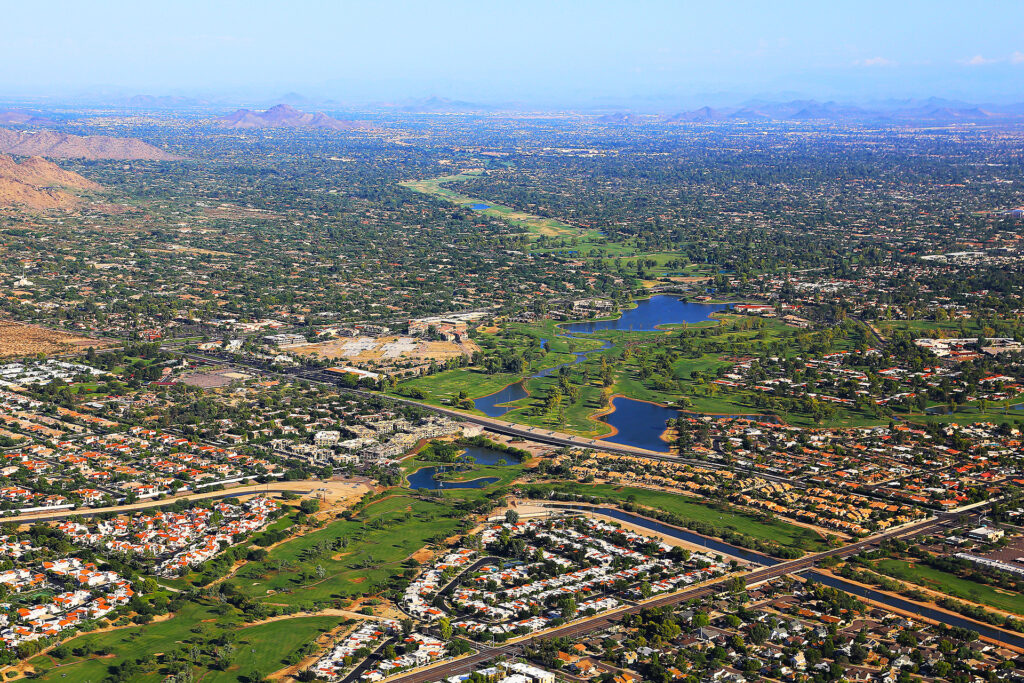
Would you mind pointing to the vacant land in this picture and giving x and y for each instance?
(18, 340)
(386, 349)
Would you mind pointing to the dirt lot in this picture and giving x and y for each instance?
(213, 380)
(18, 340)
(385, 350)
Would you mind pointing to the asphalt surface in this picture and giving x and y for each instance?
(548, 437)
(600, 622)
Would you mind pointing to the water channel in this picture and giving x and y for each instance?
(723, 548)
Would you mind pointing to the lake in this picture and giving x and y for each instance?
(638, 423)
(424, 478)
(493, 405)
(479, 207)
(662, 309)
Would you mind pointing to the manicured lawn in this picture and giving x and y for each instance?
(951, 585)
(264, 647)
(923, 327)
(131, 642)
(383, 536)
(693, 508)
(522, 219)
(446, 386)
(259, 647)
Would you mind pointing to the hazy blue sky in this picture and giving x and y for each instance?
(518, 50)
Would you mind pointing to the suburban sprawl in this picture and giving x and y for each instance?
(451, 397)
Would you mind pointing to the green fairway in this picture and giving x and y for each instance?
(261, 648)
(774, 530)
(952, 585)
(529, 222)
(383, 536)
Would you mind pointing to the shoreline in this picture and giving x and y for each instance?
(611, 409)
(657, 328)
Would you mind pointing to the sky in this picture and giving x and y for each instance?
(553, 51)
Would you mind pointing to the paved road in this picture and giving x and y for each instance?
(472, 662)
(300, 487)
(549, 437)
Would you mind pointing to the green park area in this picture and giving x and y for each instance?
(952, 585)
(347, 558)
(205, 632)
(343, 560)
(676, 366)
(548, 227)
(724, 517)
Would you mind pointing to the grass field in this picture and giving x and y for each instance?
(259, 648)
(692, 508)
(550, 227)
(380, 540)
(951, 584)
(383, 536)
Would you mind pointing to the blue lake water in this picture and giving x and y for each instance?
(479, 207)
(639, 424)
(494, 405)
(662, 309)
(424, 478)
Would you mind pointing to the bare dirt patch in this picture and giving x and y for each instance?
(18, 340)
(423, 555)
(385, 349)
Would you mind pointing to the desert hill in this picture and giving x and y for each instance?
(284, 116)
(48, 143)
(932, 110)
(23, 118)
(39, 184)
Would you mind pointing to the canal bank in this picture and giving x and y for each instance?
(917, 611)
(895, 603)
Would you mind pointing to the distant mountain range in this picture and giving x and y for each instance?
(48, 143)
(39, 184)
(163, 102)
(933, 110)
(285, 116)
(441, 105)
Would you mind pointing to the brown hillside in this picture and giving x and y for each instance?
(39, 184)
(283, 116)
(48, 143)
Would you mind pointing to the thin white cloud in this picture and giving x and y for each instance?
(1017, 57)
(875, 61)
(978, 60)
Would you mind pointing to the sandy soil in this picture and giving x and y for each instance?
(385, 349)
(18, 339)
(334, 492)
